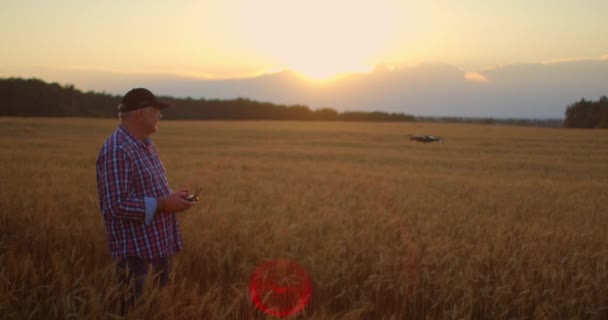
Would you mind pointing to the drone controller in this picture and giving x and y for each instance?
(194, 197)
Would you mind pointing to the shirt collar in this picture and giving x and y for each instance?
(146, 142)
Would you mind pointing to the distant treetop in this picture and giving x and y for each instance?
(587, 114)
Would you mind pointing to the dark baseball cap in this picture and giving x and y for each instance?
(139, 98)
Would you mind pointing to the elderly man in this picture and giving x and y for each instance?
(137, 204)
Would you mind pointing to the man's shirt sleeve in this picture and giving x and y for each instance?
(150, 208)
(115, 179)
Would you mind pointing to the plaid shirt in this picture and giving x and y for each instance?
(128, 169)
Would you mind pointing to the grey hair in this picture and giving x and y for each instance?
(124, 115)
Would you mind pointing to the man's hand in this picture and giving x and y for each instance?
(175, 202)
(194, 197)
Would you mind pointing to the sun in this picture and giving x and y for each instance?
(326, 70)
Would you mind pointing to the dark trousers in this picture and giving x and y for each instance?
(136, 269)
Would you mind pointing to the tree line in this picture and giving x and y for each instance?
(548, 122)
(587, 114)
(36, 98)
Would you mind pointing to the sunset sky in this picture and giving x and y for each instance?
(315, 38)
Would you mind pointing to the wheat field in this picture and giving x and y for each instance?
(497, 222)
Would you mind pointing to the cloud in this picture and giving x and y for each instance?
(562, 60)
(476, 77)
(534, 90)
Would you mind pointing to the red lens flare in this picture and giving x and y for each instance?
(280, 288)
